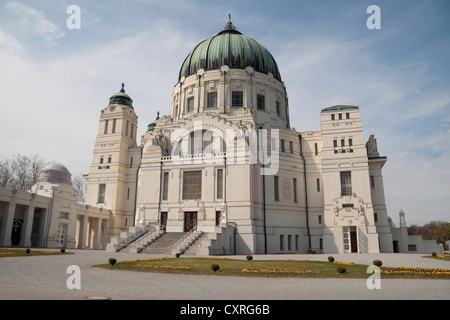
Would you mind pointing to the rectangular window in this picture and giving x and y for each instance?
(128, 194)
(261, 102)
(278, 106)
(132, 131)
(316, 149)
(340, 116)
(294, 184)
(219, 184)
(275, 188)
(347, 115)
(372, 181)
(335, 143)
(375, 217)
(126, 128)
(346, 183)
(342, 142)
(212, 100)
(289, 242)
(291, 147)
(114, 126)
(165, 191)
(350, 142)
(237, 99)
(281, 241)
(106, 126)
(192, 185)
(318, 184)
(282, 145)
(332, 117)
(101, 193)
(190, 103)
(319, 218)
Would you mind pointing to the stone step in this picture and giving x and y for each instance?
(192, 250)
(164, 243)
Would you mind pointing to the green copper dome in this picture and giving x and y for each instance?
(229, 47)
(121, 98)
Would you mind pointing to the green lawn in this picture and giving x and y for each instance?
(23, 252)
(268, 268)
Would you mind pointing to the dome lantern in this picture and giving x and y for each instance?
(121, 98)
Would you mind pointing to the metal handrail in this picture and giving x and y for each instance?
(123, 242)
(147, 236)
(181, 240)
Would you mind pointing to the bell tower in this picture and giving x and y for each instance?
(111, 180)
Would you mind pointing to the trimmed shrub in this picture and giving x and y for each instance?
(215, 267)
(249, 257)
(341, 269)
(112, 261)
(433, 254)
(27, 250)
(62, 250)
(331, 259)
(377, 263)
(177, 254)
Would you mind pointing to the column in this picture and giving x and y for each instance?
(8, 217)
(25, 236)
(83, 233)
(43, 228)
(97, 234)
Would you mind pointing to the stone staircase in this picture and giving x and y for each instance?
(164, 244)
(192, 249)
(126, 237)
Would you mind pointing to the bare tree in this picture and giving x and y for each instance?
(80, 184)
(21, 172)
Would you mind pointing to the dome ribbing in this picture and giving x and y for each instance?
(229, 47)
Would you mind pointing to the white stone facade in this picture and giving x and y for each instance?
(48, 216)
(226, 158)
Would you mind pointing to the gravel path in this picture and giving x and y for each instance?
(45, 277)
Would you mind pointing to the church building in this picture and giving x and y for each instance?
(225, 173)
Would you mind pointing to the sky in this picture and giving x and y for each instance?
(54, 80)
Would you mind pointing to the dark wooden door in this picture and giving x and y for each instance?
(354, 241)
(164, 220)
(190, 221)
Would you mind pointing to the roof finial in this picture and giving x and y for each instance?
(123, 87)
(229, 17)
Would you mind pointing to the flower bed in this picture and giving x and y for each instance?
(274, 271)
(141, 260)
(416, 270)
(347, 263)
(152, 266)
(290, 260)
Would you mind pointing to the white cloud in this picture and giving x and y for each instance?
(33, 21)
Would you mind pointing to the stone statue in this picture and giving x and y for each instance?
(372, 148)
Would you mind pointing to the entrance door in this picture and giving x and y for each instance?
(164, 220)
(190, 221)
(218, 214)
(16, 230)
(353, 240)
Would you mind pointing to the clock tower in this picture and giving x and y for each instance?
(112, 175)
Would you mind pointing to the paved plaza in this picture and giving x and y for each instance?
(45, 277)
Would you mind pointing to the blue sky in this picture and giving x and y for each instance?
(54, 81)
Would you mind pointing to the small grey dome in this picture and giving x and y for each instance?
(55, 173)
